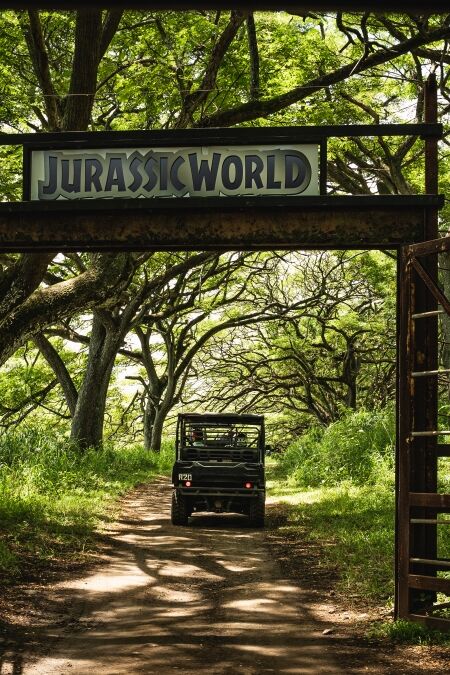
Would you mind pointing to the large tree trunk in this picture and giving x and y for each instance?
(161, 410)
(87, 422)
(83, 81)
(149, 420)
(158, 424)
(351, 369)
(25, 305)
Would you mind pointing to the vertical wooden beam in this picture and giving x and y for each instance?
(405, 394)
(431, 156)
(416, 469)
(426, 473)
(432, 232)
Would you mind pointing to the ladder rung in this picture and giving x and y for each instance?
(429, 521)
(429, 561)
(427, 373)
(430, 433)
(425, 315)
(421, 581)
(430, 500)
(437, 622)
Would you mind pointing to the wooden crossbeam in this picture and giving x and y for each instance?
(431, 285)
(421, 581)
(429, 499)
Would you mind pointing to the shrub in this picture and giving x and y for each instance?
(359, 448)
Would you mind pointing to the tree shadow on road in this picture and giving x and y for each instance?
(204, 598)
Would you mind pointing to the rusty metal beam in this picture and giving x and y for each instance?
(441, 245)
(224, 224)
(405, 389)
(432, 287)
(429, 583)
(379, 6)
(434, 622)
(221, 136)
(424, 458)
(427, 499)
(417, 449)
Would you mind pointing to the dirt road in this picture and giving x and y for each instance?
(208, 598)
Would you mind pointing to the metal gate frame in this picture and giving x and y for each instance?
(419, 505)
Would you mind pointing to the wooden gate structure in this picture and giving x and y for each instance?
(421, 566)
(408, 223)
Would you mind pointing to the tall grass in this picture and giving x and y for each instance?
(52, 496)
(354, 526)
(338, 487)
(406, 632)
(338, 484)
(358, 448)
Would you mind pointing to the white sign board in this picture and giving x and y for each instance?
(213, 171)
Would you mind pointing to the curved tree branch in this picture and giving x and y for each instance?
(194, 100)
(254, 109)
(109, 273)
(34, 38)
(59, 368)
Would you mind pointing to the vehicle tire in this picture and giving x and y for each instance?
(256, 511)
(179, 512)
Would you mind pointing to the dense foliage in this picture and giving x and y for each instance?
(52, 498)
(358, 448)
(111, 344)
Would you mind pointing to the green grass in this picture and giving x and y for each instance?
(355, 526)
(335, 488)
(338, 485)
(407, 632)
(357, 448)
(53, 497)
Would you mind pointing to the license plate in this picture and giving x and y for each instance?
(184, 476)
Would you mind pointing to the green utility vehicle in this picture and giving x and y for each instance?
(219, 466)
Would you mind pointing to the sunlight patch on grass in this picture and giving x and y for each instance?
(355, 527)
(407, 632)
(53, 497)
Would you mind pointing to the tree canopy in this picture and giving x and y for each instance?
(306, 334)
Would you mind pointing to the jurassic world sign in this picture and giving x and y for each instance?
(213, 171)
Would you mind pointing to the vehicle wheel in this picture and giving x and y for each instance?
(179, 512)
(256, 511)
